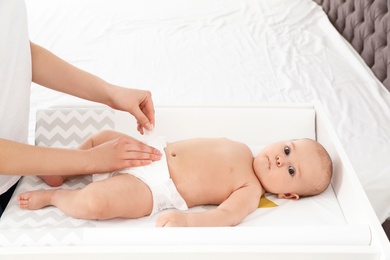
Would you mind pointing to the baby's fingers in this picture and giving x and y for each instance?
(172, 218)
(161, 221)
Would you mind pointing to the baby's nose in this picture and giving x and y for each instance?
(279, 160)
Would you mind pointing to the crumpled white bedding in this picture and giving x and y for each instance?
(226, 52)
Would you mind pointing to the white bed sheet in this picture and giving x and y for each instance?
(203, 52)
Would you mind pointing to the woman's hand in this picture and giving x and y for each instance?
(120, 153)
(137, 102)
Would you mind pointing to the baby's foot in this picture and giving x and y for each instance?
(53, 180)
(35, 199)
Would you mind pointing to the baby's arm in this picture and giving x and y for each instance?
(231, 212)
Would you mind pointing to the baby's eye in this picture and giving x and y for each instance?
(287, 150)
(291, 171)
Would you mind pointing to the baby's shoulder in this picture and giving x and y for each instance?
(236, 147)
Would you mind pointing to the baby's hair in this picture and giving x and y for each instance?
(325, 176)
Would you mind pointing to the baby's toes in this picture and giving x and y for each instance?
(23, 201)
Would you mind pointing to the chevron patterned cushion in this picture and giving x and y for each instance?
(59, 127)
(68, 127)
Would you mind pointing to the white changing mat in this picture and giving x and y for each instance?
(66, 127)
(50, 226)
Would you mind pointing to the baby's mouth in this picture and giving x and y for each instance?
(269, 163)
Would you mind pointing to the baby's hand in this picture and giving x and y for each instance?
(172, 218)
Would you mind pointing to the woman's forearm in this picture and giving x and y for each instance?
(24, 159)
(52, 72)
(97, 156)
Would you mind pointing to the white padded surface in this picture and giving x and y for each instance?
(255, 126)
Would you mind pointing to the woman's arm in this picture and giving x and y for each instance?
(119, 153)
(52, 72)
(23, 159)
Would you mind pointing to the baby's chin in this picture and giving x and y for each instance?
(259, 156)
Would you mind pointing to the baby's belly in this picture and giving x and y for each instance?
(194, 181)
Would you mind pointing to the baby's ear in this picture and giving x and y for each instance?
(289, 196)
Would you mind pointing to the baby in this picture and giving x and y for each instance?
(195, 172)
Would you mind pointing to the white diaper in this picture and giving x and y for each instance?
(156, 176)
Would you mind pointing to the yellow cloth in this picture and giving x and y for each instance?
(266, 203)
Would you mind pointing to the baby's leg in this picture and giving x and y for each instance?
(35, 199)
(66, 200)
(53, 180)
(120, 196)
(58, 180)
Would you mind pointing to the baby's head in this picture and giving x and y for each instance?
(294, 168)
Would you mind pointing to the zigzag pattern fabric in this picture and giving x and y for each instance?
(44, 227)
(60, 127)
(68, 127)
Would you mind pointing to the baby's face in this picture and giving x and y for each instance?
(287, 167)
